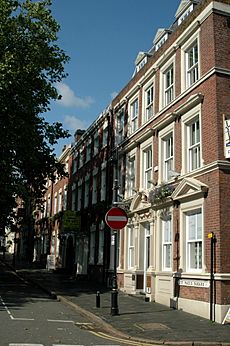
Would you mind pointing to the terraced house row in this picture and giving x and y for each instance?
(160, 151)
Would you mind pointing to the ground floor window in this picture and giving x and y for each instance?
(130, 247)
(194, 237)
(167, 243)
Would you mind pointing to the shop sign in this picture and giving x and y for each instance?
(50, 262)
(194, 283)
(227, 138)
(71, 221)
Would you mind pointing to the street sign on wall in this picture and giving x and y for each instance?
(116, 218)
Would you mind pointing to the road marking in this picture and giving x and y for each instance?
(26, 345)
(123, 341)
(12, 317)
(62, 321)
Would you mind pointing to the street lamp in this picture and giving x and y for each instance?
(116, 218)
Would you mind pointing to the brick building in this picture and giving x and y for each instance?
(165, 139)
(49, 233)
(172, 135)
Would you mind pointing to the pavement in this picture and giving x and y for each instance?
(138, 320)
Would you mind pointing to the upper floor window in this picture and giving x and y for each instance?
(77, 192)
(96, 144)
(168, 156)
(168, 85)
(192, 64)
(88, 151)
(193, 132)
(105, 136)
(103, 184)
(65, 197)
(147, 165)
(120, 126)
(134, 110)
(60, 201)
(94, 194)
(74, 196)
(148, 99)
(130, 181)
(86, 197)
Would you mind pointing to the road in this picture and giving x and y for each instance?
(29, 317)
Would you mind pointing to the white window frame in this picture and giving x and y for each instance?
(130, 175)
(55, 203)
(134, 113)
(103, 182)
(185, 70)
(164, 135)
(96, 144)
(194, 157)
(60, 200)
(88, 151)
(167, 251)
(65, 197)
(120, 120)
(187, 120)
(148, 167)
(148, 102)
(105, 135)
(197, 240)
(169, 90)
(131, 247)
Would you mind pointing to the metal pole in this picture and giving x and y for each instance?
(212, 238)
(114, 293)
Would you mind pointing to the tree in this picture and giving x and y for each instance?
(31, 63)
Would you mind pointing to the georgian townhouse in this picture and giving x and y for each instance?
(91, 189)
(172, 139)
(49, 228)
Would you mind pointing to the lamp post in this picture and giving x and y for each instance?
(114, 292)
(116, 218)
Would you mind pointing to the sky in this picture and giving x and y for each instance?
(102, 39)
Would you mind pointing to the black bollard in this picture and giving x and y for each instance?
(98, 300)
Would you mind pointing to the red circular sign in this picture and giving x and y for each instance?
(116, 218)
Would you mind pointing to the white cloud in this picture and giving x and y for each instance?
(69, 99)
(72, 123)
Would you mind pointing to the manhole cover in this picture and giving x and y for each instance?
(152, 326)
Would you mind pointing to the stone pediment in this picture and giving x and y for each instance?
(189, 189)
(139, 202)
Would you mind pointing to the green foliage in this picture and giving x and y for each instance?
(30, 64)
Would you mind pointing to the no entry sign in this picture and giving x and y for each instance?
(116, 218)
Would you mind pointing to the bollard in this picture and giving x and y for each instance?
(98, 300)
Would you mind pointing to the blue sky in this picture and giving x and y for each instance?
(102, 38)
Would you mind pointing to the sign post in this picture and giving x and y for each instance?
(116, 218)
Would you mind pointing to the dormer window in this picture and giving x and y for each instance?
(160, 38)
(142, 63)
(160, 43)
(185, 14)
